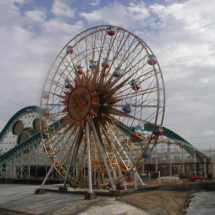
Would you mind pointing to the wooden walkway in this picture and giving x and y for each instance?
(21, 198)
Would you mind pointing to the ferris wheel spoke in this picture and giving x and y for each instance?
(142, 92)
(119, 48)
(58, 136)
(54, 104)
(56, 83)
(131, 63)
(137, 106)
(115, 133)
(125, 57)
(53, 115)
(123, 61)
(59, 71)
(65, 63)
(73, 66)
(110, 85)
(134, 94)
(119, 113)
(110, 46)
(127, 129)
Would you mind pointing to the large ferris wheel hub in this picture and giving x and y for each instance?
(79, 102)
(109, 79)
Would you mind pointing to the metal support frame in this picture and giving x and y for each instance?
(183, 166)
(170, 160)
(72, 157)
(89, 159)
(53, 164)
(194, 155)
(205, 169)
(103, 156)
(156, 159)
(213, 170)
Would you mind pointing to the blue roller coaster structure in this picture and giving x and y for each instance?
(36, 138)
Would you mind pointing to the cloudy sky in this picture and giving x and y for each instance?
(180, 33)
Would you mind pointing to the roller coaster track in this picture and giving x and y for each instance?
(27, 144)
(173, 138)
(17, 115)
(24, 146)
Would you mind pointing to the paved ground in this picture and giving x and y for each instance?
(21, 198)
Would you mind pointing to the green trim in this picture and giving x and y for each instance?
(30, 142)
(15, 117)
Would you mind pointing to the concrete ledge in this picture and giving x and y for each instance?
(63, 189)
(188, 186)
(40, 191)
(90, 196)
(115, 192)
(104, 192)
(36, 181)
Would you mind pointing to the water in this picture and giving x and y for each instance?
(203, 203)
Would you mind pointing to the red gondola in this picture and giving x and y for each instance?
(111, 31)
(152, 60)
(45, 95)
(135, 85)
(69, 50)
(106, 64)
(158, 131)
(79, 69)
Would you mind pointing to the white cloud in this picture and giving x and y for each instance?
(103, 14)
(209, 133)
(137, 11)
(10, 15)
(35, 16)
(21, 2)
(95, 3)
(120, 14)
(60, 8)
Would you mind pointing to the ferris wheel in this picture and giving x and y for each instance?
(104, 85)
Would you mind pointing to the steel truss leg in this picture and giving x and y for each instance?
(139, 179)
(53, 164)
(72, 156)
(89, 159)
(103, 157)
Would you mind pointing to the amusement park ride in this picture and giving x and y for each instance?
(100, 115)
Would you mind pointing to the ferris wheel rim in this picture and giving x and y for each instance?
(146, 47)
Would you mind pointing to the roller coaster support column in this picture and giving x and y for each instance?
(29, 167)
(135, 181)
(194, 154)
(159, 178)
(213, 167)
(156, 159)
(205, 168)
(183, 167)
(170, 160)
